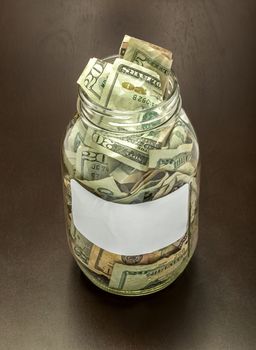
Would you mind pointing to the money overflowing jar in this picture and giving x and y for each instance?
(131, 175)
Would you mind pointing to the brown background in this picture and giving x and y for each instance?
(46, 303)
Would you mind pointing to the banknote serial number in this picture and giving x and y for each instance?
(143, 100)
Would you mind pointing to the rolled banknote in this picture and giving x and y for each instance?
(144, 190)
(171, 159)
(92, 164)
(149, 56)
(93, 78)
(178, 136)
(131, 87)
(115, 148)
(126, 277)
(76, 136)
(69, 159)
(73, 140)
(126, 41)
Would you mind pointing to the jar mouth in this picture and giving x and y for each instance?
(132, 120)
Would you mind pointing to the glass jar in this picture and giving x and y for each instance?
(131, 188)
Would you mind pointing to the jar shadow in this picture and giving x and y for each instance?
(145, 321)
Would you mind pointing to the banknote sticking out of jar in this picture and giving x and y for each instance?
(131, 173)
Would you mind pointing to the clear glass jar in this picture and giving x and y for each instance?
(131, 189)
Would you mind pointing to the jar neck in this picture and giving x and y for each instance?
(131, 121)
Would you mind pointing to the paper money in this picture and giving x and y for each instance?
(93, 78)
(148, 140)
(127, 39)
(67, 190)
(183, 120)
(103, 261)
(117, 149)
(80, 246)
(145, 189)
(76, 136)
(126, 177)
(93, 165)
(69, 159)
(170, 159)
(130, 149)
(178, 137)
(149, 56)
(131, 87)
(167, 186)
(141, 277)
(150, 178)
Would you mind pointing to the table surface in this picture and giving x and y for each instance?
(46, 302)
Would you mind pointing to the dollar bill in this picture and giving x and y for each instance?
(145, 190)
(124, 174)
(183, 120)
(148, 140)
(142, 277)
(87, 254)
(93, 165)
(67, 189)
(69, 159)
(93, 78)
(172, 159)
(103, 261)
(178, 137)
(167, 186)
(127, 38)
(76, 136)
(130, 149)
(131, 87)
(149, 56)
(124, 45)
(193, 198)
(149, 179)
(117, 149)
(73, 140)
(80, 245)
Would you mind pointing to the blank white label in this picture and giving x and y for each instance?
(130, 229)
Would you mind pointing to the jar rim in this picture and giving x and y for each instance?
(95, 106)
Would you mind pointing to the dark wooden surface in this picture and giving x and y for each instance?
(46, 303)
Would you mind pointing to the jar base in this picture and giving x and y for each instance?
(136, 293)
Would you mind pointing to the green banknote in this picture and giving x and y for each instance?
(93, 165)
(93, 78)
(141, 277)
(131, 87)
(149, 56)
